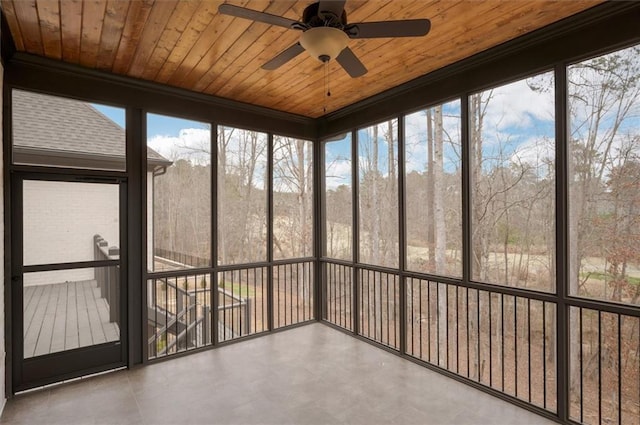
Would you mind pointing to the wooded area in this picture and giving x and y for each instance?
(182, 199)
(513, 231)
(513, 184)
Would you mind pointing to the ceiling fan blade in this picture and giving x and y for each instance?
(351, 63)
(334, 6)
(283, 57)
(254, 15)
(406, 28)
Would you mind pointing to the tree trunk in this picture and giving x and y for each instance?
(373, 208)
(430, 219)
(440, 241)
(302, 197)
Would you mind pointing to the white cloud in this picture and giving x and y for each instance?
(416, 135)
(517, 105)
(338, 173)
(536, 152)
(191, 143)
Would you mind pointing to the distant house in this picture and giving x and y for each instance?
(59, 132)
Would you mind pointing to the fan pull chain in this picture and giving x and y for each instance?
(326, 84)
(326, 67)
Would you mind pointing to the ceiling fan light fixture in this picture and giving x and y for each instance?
(324, 43)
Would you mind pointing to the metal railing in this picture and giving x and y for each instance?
(501, 341)
(185, 260)
(501, 338)
(178, 313)
(338, 290)
(293, 292)
(242, 302)
(187, 309)
(604, 367)
(379, 306)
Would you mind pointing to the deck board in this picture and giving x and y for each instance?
(59, 328)
(65, 316)
(35, 320)
(97, 333)
(43, 343)
(71, 324)
(84, 327)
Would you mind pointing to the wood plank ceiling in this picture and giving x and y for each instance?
(186, 43)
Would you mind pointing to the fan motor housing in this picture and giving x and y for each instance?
(312, 19)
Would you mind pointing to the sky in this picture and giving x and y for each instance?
(518, 128)
(171, 137)
(518, 125)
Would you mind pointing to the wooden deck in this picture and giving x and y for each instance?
(64, 316)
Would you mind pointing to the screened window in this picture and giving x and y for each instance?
(433, 187)
(378, 194)
(604, 184)
(242, 196)
(179, 193)
(338, 204)
(512, 145)
(292, 198)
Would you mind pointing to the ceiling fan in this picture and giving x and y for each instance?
(326, 33)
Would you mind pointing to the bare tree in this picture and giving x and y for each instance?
(293, 197)
(241, 195)
(604, 92)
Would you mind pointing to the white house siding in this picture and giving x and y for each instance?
(60, 220)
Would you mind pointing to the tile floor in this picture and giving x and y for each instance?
(308, 375)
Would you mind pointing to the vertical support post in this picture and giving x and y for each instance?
(402, 257)
(133, 244)
(207, 325)
(563, 363)
(12, 251)
(211, 331)
(111, 282)
(247, 317)
(102, 275)
(269, 182)
(319, 231)
(114, 305)
(355, 215)
(466, 188)
(215, 313)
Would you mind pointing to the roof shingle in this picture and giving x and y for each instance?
(56, 124)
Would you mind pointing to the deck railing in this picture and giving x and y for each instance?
(108, 278)
(180, 258)
(242, 302)
(185, 312)
(179, 314)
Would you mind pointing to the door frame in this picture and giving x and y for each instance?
(55, 367)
